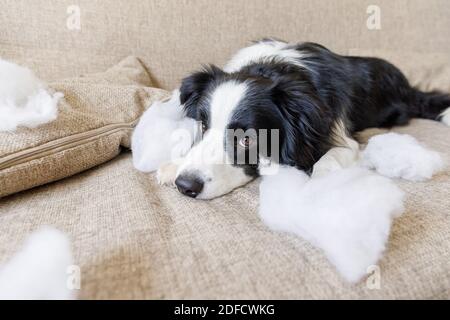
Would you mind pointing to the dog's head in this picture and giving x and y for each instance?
(248, 119)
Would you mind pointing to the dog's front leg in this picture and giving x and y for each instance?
(337, 158)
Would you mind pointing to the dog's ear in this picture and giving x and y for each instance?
(306, 122)
(194, 85)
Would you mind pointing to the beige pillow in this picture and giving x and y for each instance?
(95, 119)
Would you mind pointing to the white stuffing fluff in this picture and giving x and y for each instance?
(162, 135)
(401, 156)
(347, 213)
(24, 100)
(39, 270)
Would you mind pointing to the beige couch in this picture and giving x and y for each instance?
(134, 239)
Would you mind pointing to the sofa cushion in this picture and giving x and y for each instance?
(135, 239)
(95, 120)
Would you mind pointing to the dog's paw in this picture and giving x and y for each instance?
(445, 117)
(337, 158)
(167, 174)
(325, 166)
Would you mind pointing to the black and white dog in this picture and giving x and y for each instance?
(314, 98)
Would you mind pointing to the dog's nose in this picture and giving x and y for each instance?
(189, 186)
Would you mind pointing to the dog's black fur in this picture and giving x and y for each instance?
(305, 103)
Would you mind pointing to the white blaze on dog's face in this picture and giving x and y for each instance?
(208, 171)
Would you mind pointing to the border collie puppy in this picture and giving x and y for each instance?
(313, 98)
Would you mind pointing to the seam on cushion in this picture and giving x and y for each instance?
(62, 144)
(36, 162)
(94, 117)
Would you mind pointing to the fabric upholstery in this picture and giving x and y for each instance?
(177, 36)
(135, 239)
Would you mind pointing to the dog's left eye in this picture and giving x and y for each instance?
(204, 127)
(246, 142)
